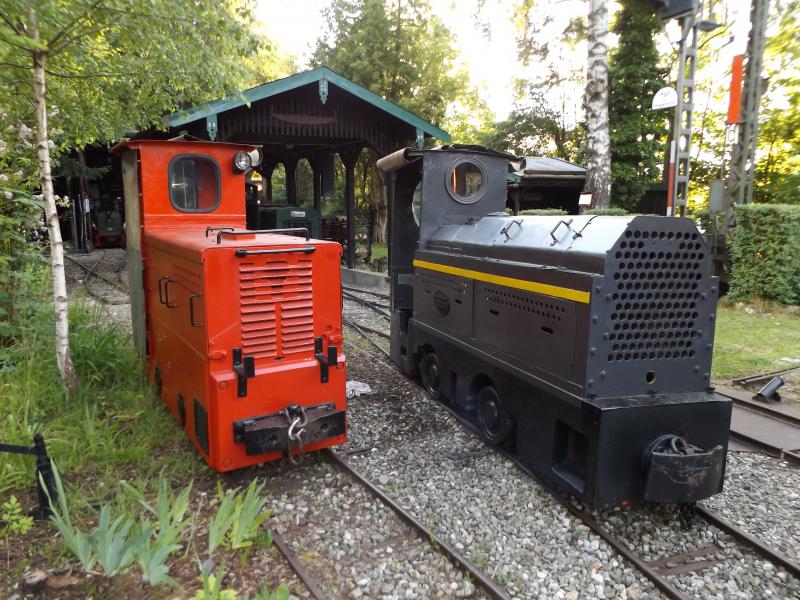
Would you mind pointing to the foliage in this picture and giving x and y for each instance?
(399, 50)
(238, 518)
(766, 253)
(637, 132)
(543, 212)
(115, 65)
(109, 425)
(212, 587)
(533, 128)
(115, 543)
(606, 212)
(778, 159)
(12, 520)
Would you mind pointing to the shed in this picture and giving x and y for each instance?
(313, 115)
(543, 182)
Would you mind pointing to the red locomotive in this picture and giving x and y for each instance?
(241, 330)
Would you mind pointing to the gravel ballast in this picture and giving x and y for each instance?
(509, 525)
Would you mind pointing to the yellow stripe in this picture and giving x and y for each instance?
(520, 284)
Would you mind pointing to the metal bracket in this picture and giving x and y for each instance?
(46, 489)
(245, 368)
(325, 362)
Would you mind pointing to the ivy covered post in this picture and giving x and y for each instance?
(634, 76)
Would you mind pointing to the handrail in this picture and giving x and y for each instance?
(255, 231)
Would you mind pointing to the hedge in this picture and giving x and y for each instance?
(765, 253)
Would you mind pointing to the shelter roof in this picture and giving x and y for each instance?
(543, 167)
(322, 76)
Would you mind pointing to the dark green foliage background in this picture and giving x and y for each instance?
(766, 253)
(638, 133)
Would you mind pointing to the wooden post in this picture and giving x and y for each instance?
(349, 160)
(290, 167)
(316, 170)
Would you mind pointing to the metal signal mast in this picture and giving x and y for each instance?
(739, 184)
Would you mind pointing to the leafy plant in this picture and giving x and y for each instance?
(238, 518)
(77, 542)
(280, 593)
(12, 520)
(111, 544)
(766, 253)
(116, 544)
(212, 587)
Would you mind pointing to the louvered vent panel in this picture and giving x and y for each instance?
(276, 308)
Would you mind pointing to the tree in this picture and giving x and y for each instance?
(401, 51)
(636, 131)
(533, 128)
(598, 142)
(99, 67)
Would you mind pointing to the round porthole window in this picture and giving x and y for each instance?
(466, 181)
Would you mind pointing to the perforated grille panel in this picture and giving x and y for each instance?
(658, 277)
(540, 308)
(276, 308)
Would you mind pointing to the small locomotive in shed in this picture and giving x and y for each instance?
(241, 330)
(581, 343)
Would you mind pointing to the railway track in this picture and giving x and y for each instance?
(657, 571)
(437, 542)
(297, 566)
(774, 430)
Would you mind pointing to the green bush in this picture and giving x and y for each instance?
(766, 253)
(606, 212)
(544, 212)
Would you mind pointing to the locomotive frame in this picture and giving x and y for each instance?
(581, 343)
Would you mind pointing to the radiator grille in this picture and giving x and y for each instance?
(276, 308)
(657, 278)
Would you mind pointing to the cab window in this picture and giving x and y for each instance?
(194, 183)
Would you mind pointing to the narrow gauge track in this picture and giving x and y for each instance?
(764, 427)
(302, 573)
(750, 379)
(437, 542)
(649, 569)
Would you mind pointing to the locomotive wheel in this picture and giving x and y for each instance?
(494, 416)
(430, 370)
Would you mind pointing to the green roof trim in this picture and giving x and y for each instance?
(279, 86)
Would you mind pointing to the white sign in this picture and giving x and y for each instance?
(585, 200)
(665, 98)
(298, 213)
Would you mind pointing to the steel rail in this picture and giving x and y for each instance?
(770, 449)
(298, 567)
(776, 557)
(748, 379)
(377, 308)
(366, 337)
(90, 271)
(370, 292)
(437, 542)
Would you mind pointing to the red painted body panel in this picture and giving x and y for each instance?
(202, 301)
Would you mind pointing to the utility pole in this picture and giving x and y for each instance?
(739, 184)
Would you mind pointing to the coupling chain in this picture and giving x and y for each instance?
(297, 419)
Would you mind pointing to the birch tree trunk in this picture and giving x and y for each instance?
(598, 142)
(63, 358)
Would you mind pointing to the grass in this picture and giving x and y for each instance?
(754, 338)
(113, 428)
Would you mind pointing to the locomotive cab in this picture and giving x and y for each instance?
(582, 343)
(241, 330)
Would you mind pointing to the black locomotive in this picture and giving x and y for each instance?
(581, 343)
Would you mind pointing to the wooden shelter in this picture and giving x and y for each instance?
(311, 115)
